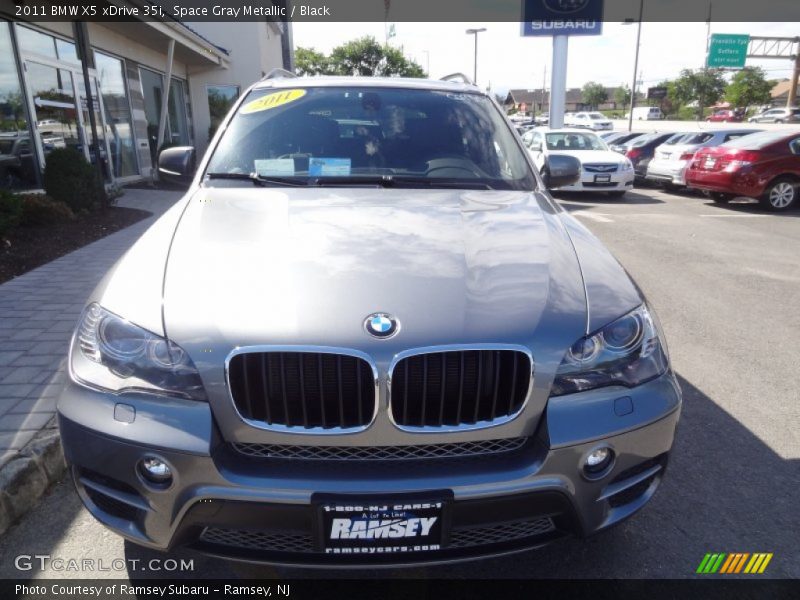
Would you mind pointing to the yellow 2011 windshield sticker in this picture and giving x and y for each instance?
(273, 100)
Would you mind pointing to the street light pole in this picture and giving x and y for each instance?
(635, 66)
(475, 32)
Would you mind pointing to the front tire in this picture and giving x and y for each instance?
(721, 197)
(780, 195)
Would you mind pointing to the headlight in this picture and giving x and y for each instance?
(113, 354)
(627, 165)
(627, 352)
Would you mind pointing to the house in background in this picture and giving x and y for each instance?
(538, 101)
(779, 95)
(144, 78)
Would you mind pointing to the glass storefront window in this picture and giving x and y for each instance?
(67, 51)
(177, 121)
(18, 165)
(220, 100)
(54, 100)
(119, 124)
(36, 42)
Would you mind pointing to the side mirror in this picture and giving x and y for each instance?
(177, 165)
(562, 170)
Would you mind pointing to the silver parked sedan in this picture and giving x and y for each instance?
(366, 335)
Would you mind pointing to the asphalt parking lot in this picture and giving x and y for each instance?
(724, 281)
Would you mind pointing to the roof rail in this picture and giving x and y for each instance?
(276, 73)
(457, 77)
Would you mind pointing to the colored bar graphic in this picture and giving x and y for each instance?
(703, 563)
(764, 564)
(728, 564)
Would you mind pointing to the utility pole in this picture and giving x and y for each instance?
(544, 87)
(636, 65)
(702, 99)
(475, 32)
(792, 100)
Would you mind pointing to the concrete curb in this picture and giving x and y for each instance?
(25, 478)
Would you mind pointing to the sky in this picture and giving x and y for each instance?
(507, 60)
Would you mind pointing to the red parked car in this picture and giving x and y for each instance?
(725, 116)
(762, 165)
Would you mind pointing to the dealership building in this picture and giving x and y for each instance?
(150, 84)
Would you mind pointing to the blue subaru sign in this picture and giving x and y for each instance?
(562, 17)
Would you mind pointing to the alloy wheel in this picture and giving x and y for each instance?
(782, 194)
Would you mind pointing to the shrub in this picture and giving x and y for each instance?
(10, 211)
(68, 178)
(38, 209)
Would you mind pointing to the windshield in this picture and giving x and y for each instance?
(756, 141)
(574, 141)
(367, 135)
(597, 116)
(644, 140)
(697, 138)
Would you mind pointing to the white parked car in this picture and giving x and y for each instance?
(588, 120)
(670, 162)
(602, 170)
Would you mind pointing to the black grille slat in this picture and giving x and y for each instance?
(424, 388)
(303, 389)
(443, 388)
(480, 448)
(496, 385)
(459, 387)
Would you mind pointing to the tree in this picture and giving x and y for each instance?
(593, 94)
(308, 61)
(704, 85)
(622, 96)
(366, 57)
(749, 86)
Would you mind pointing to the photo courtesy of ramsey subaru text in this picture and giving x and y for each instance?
(367, 335)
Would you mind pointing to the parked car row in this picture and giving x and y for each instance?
(723, 163)
(764, 165)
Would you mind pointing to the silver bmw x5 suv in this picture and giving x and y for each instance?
(366, 335)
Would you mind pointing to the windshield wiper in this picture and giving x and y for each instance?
(401, 181)
(258, 179)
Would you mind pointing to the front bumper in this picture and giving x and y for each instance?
(618, 181)
(224, 503)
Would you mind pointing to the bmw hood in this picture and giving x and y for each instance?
(288, 266)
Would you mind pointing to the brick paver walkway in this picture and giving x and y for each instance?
(38, 312)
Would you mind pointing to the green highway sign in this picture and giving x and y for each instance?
(727, 50)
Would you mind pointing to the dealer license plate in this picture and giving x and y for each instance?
(382, 527)
(602, 178)
(710, 162)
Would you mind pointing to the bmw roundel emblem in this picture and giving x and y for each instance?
(381, 325)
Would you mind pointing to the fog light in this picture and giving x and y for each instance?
(598, 461)
(155, 470)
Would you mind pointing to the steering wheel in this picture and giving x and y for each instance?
(451, 163)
